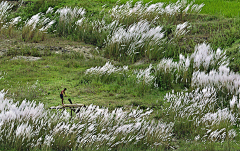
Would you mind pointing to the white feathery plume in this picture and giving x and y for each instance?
(107, 69)
(181, 29)
(50, 10)
(139, 10)
(144, 76)
(205, 57)
(135, 36)
(15, 20)
(4, 8)
(68, 14)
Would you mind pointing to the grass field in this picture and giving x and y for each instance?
(151, 81)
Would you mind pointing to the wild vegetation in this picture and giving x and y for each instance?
(153, 75)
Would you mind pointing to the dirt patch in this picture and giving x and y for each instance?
(86, 51)
(54, 44)
(28, 58)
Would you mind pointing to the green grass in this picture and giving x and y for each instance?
(55, 72)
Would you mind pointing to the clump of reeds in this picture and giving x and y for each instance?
(137, 41)
(205, 59)
(11, 26)
(4, 12)
(106, 73)
(135, 18)
(36, 27)
(67, 19)
(197, 113)
(145, 76)
(95, 32)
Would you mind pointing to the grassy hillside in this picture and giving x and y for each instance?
(174, 70)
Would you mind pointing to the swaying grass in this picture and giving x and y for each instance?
(4, 12)
(197, 111)
(107, 73)
(36, 28)
(130, 40)
(139, 40)
(29, 126)
(66, 21)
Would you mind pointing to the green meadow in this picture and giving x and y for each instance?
(118, 58)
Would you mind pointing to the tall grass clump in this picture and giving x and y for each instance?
(94, 32)
(67, 18)
(145, 80)
(11, 26)
(203, 60)
(107, 73)
(206, 59)
(28, 126)
(141, 80)
(5, 8)
(196, 116)
(135, 42)
(36, 27)
(168, 73)
(226, 82)
(211, 69)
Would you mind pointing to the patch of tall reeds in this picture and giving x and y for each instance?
(107, 73)
(205, 67)
(36, 27)
(197, 113)
(95, 32)
(66, 20)
(11, 26)
(5, 7)
(140, 36)
(27, 126)
(135, 42)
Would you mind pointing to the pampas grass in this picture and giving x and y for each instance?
(28, 125)
(36, 27)
(139, 40)
(5, 8)
(67, 18)
(199, 110)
